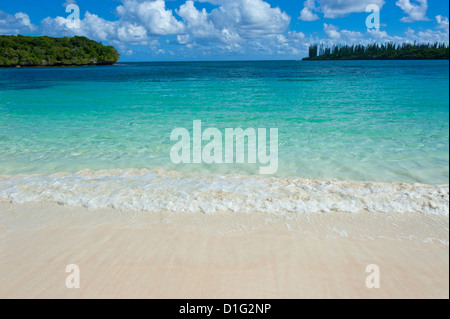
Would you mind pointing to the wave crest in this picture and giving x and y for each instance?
(158, 190)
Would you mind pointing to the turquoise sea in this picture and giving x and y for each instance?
(353, 135)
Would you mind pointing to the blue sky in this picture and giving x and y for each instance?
(177, 30)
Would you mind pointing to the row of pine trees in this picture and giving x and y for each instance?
(386, 51)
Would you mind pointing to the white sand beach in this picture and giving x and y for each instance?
(142, 255)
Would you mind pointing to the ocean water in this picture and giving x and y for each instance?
(353, 135)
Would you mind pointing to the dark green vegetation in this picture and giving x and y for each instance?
(46, 51)
(387, 51)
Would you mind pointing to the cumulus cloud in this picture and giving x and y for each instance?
(249, 18)
(92, 26)
(239, 26)
(139, 23)
(151, 14)
(232, 24)
(228, 26)
(307, 13)
(331, 31)
(441, 34)
(197, 22)
(15, 24)
(442, 22)
(415, 12)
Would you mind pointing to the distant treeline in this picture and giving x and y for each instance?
(387, 51)
(46, 51)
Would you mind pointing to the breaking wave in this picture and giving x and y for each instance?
(158, 190)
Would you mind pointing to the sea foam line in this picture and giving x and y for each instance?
(157, 190)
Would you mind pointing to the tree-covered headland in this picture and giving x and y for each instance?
(386, 51)
(47, 51)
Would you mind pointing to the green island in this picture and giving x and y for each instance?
(386, 51)
(29, 51)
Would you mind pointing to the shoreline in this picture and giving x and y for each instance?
(162, 190)
(367, 59)
(207, 231)
(165, 255)
(54, 66)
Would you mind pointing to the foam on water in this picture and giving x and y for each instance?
(158, 190)
(382, 123)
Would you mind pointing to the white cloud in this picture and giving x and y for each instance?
(249, 18)
(426, 36)
(24, 20)
(91, 26)
(231, 25)
(336, 36)
(231, 38)
(415, 12)
(152, 14)
(15, 24)
(307, 13)
(296, 35)
(95, 27)
(352, 37)
(378, 36)
(442, 22)
(251, 27)
(331, 31)
(133, 34)
(197, 22)
(334, 9)
(441, 34)
(183, 39)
